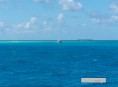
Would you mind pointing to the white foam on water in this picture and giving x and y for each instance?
(93, 80)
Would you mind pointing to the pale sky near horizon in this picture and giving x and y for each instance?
(58, 19)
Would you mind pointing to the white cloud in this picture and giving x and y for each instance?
(37, 1)
(44, 22)
(84, 25)
(107, 19)
(101, 18)
(33, 20)
(3, 0)
(1, 24)
(114, 7)
(60, 18)
(3, 7)
(70, 5)
(34, 24)
(115, 17)
(27, 25)
(111, 20)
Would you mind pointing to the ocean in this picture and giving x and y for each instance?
(52, 64)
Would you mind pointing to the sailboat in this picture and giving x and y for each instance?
(59, 41)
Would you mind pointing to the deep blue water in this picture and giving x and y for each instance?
(50, 64)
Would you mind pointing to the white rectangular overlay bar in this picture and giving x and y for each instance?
(93, 80)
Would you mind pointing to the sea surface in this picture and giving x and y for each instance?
(52, 64)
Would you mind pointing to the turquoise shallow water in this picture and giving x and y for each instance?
(50, 64)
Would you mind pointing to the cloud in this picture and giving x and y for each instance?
(109, 20)
(3, 7)
(84, 25)
(70, 5)
(27, 25)
(33, 25)
(44, 22)
(31, 22)
(60, 17)
(1, 24)
(114, 7)
(3, 0)
(38, 1)
(36, 24)
(106, 19)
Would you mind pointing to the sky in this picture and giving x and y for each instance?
(58, 19)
